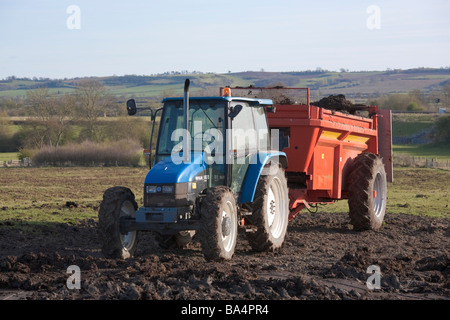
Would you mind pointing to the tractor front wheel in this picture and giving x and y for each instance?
(218, 234)
(117, 202)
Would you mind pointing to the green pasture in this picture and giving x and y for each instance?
(7, 156)
(438, 151)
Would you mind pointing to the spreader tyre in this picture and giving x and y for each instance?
(367, 186)
(117, 202)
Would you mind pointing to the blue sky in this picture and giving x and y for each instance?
(147, 37)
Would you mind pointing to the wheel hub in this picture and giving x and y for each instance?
(226, 226)
(272, 207)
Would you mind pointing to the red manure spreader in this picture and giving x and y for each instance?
(335, 150)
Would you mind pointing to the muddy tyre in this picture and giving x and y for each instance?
(270, 212)
(117, 202)
(218, 233)
(367, 187)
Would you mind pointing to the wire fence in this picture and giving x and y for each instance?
(26, 162)
(406, 160)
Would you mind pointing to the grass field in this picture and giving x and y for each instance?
(440, 151)
(39, 195)
(35, 196)
(6, 156)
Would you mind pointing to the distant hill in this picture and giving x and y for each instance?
(357, 86)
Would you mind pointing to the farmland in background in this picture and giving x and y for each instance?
(359, 86)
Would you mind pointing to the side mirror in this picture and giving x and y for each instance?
(131, 107)
(234, 111)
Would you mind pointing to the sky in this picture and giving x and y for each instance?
(80, 38)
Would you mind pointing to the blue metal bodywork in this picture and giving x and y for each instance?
(254, 172)
(166, 171)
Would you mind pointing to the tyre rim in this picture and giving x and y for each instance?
(228, 237)
(127, 209)
(378, 195)
(275, 207)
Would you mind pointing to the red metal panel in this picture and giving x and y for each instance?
(322, 168)
(385, 142)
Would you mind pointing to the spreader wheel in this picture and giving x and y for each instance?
(367, 186)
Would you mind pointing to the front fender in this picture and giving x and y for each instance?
(255, 169)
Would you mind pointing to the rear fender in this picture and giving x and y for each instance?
(256, 169)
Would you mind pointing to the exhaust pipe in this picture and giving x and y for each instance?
(186, 135)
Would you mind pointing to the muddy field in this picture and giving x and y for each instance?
(322, 259)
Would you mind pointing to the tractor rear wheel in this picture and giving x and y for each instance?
(117, 202)
(367, 187)
(270, 212)
(218, 234)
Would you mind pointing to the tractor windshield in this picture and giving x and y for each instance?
(206, 126)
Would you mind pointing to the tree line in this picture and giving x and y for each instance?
(414, 100)
(56, 120)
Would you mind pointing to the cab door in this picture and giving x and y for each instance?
(249, 136)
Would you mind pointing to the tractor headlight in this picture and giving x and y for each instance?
(167, 189)
(151, 189)
(159, 189)
(168, 195)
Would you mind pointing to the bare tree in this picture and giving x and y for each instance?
(92, 102)
(51, 117)
(63, 117)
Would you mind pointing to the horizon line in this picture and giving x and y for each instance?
(195, 72)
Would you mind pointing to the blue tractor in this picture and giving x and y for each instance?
(214, 170)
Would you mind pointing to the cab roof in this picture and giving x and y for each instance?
(262, 102)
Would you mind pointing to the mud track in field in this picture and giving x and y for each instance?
(323, 258)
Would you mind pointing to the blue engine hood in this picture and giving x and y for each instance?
(166, 171)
